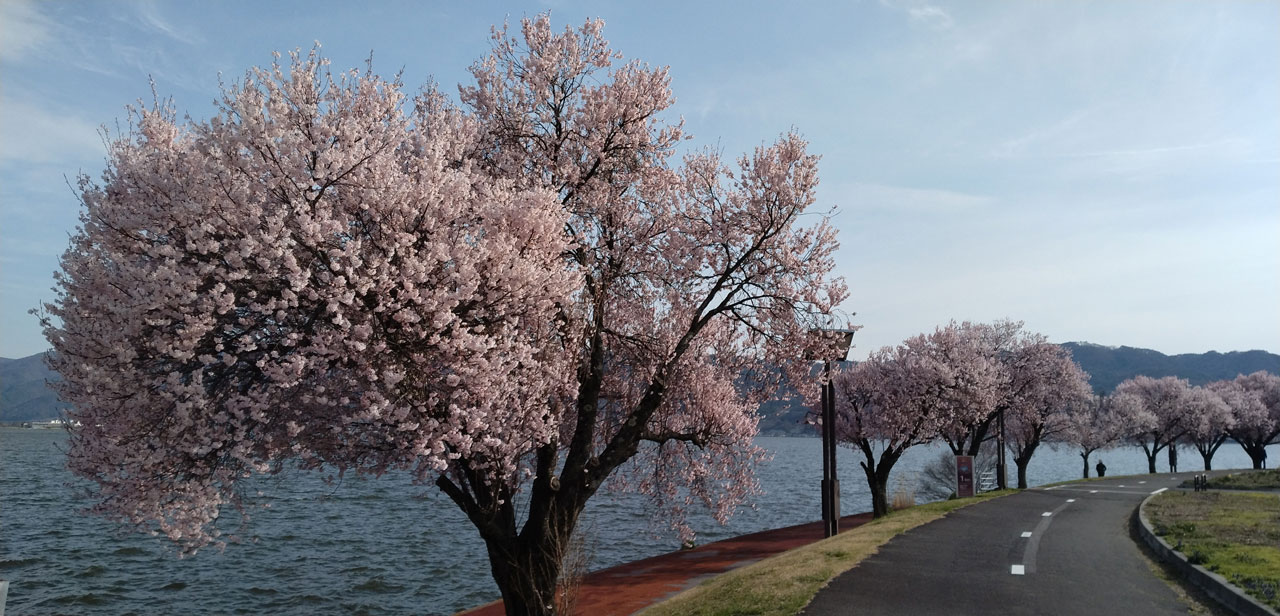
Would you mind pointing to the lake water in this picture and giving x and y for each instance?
(374, 545)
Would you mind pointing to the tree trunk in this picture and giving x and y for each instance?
(1085, 456)
(1256, 453)
(1022, 456)
(1206, 451)
(878, 475)
(1151, 453)
(879, 495)
(979, 436)
(526, 576)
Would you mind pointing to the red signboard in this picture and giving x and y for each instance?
(964, 476)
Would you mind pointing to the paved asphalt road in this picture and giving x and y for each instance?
(1058, 550)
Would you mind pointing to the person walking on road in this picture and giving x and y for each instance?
(1101, 468)
(1173, 457)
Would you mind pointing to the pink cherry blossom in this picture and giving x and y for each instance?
(1255, 405)
(1095, 426)
(527, 295)
(1209, 418)
(1156, 412)
(1045, 385)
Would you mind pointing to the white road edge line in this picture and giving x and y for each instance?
(1026, 534)
(1160, 490)
(1018, 570)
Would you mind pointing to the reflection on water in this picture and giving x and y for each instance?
(371, 545)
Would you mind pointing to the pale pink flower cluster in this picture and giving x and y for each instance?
(950, 385)
(1255, 401)
(523, 293)
(310, 274)
(1158, 413)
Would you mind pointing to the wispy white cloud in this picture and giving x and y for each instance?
(149, 14)
(34, 133)
(23, 29)
(880, 197)
(1233, 145)
(931, 16)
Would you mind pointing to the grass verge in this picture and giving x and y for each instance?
(1249, 480)
(782, 584)
(1236, 536)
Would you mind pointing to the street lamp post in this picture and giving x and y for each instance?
(1001, 479)
(840, 341)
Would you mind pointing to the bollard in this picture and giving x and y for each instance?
(4, 591)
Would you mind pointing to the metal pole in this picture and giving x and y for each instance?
(1001, 475)
(833, 496)
(826, 452)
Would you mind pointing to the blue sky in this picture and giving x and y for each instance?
(1104, 171)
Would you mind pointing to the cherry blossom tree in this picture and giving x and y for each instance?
(1209, 418)
(898, 398)
(1156, 412)
(1016, 369)
(1256, 409)
(510, 299)
(969, 353)
(1044, 384)
(1094, 427)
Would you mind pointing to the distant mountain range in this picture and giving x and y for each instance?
(24, 395)
(1107, 367)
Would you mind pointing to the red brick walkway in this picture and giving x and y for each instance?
(630, 587)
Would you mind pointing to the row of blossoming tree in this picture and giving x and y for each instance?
(1168, 412)
(955, 384)
(520, 298)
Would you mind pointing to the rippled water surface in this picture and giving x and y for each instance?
(368, 545)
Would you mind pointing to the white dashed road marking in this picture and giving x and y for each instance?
(1028, 565)
(1160, 490)
(1071, 500)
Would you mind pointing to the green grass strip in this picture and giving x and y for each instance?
(1249, 480)
(1236, 535)
(783, 584)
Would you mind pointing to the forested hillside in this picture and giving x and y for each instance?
(24, 396)
(1108, 366)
